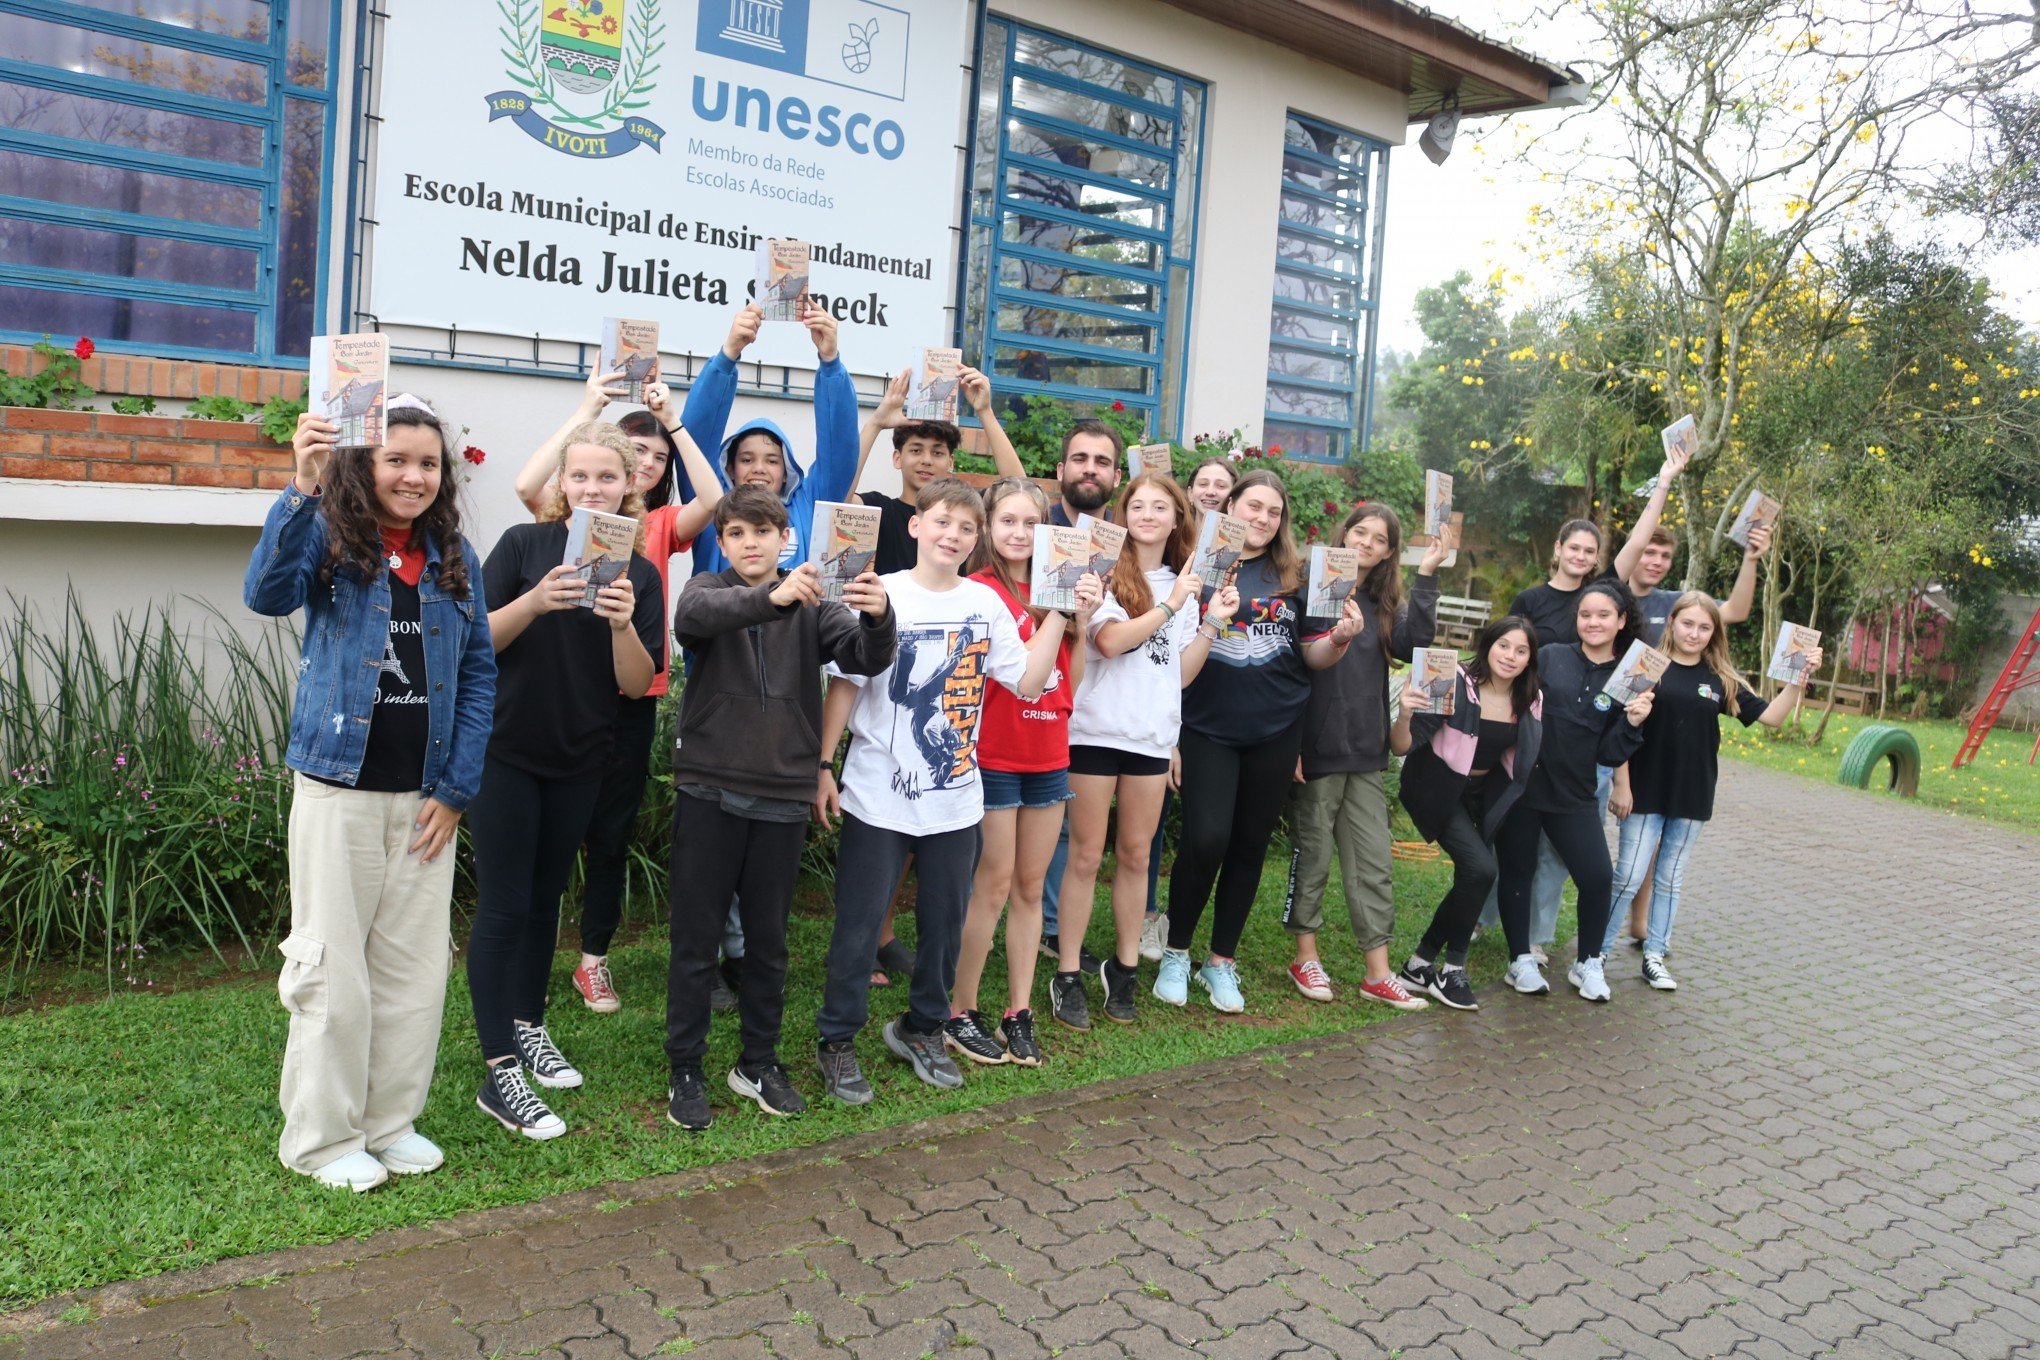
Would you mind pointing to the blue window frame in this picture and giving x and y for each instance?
(1082, 223)
(163, 172)
(1327, 284)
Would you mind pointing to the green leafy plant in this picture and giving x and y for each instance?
(134, 406)
(1037, 426)
(220, 406)
(56, 386)
(279, 418)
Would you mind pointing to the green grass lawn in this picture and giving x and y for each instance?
(142, 1129)
(1998, 785)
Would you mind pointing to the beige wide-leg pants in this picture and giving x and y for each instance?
(364, 972)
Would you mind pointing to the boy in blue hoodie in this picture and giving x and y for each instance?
(758, 453)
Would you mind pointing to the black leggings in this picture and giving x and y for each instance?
(525, 831)
(1578, 839)
(1232, 799)
(1473, 873)
(614, 822)
(717, 853)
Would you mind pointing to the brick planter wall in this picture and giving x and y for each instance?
(87, 446)
(135, 375)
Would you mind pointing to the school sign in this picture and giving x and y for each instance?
(624, 157)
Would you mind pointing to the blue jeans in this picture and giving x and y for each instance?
(1547, 885)
(1652, 838)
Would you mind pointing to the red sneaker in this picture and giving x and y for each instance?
(596, 988)
(1390, 992)
(1311, 979)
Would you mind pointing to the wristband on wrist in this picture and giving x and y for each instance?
(1168, 611)
(829, 765)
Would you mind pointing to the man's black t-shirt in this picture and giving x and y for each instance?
(1673, 773)
(897, 550)
(1551, 611)
(556, 691)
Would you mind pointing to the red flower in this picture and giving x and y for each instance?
(1331, 507)
(474, 455)
(1119, 406)
(83, 349)
(1274, 450)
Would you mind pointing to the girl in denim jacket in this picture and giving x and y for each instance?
(395, 690)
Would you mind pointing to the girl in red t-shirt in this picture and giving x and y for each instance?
(1024, 760)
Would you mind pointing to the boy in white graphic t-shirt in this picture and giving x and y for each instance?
(911, 783)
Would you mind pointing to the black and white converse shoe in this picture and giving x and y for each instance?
(506, 1098)
(1657, 975)
(541, 1057)
(966, 1033)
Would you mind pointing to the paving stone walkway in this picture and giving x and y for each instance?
(1827, 1143)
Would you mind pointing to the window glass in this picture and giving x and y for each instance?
(1326, 283)
(49, 43)
(156, 160)
(1066, 107)
(108, 122)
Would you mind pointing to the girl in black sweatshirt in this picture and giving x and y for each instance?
(1583, 727)
(1339, 798)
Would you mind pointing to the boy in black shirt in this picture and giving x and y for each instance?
(923, 451)
(743, 773)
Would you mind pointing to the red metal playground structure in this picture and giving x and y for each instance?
(2019, 673)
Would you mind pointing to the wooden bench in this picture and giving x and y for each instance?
(1460, 620)
(1856, 699)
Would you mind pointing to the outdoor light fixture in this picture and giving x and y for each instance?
(1436, 139)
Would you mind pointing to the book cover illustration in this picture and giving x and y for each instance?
(1062, 553)
(846, 544)
(1792, 658)
(349, 382)
(783, 276)
(1758, 512)
(632, 347)
(1434, 673)
(1221, 539)
(1149, 458)
(1437, 502)
(1334, 576)
(1639, 670)
(1107, 539)
(598, 548)
(1416, 545)
(937, 386)
(1682, 435)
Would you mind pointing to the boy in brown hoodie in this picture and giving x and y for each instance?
(744, 773)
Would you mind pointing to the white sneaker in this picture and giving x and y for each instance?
(1154, 934)
(1524, 976)
(1590, 979)
(357, 1171)
(1657, 975)
(411, 1155)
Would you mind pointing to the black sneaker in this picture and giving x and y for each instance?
(966, 1034)
(1066, 1000)
(1119, 984)
(721, 999)
(1450, 986)
(924, 1053)
(1051, 945)
(1017, 1030)
(510, 1101)
(842, 1078)
(687, 1100)
(540, 1056)
(768, 1085)
(1417, 977)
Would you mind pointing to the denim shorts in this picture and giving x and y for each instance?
(1035, 789)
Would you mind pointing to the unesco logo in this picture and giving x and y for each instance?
(583, 68)
(857, 44)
